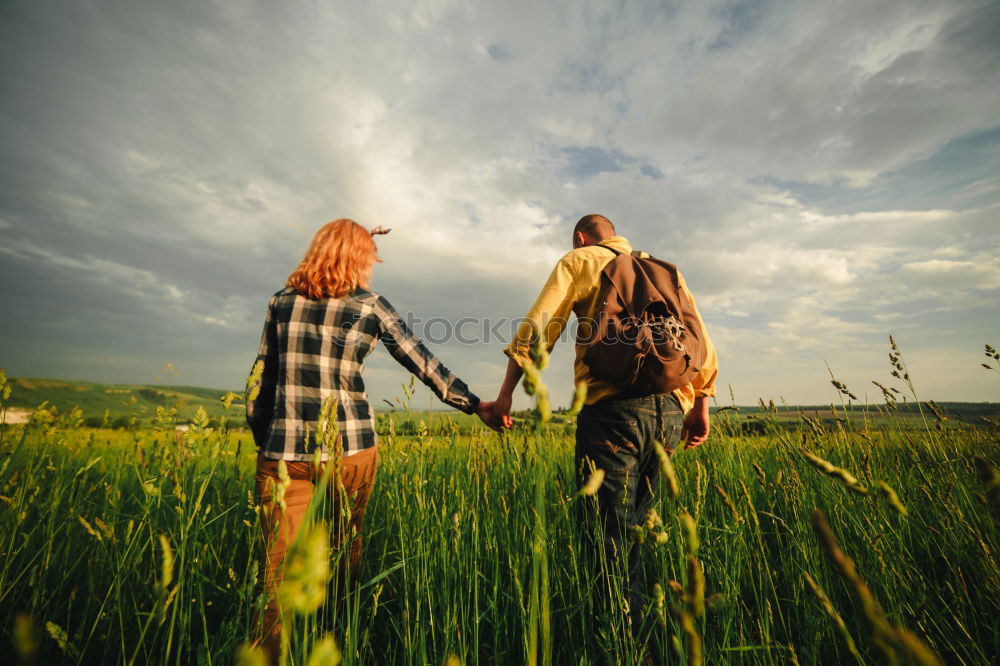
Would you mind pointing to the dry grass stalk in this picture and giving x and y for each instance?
(728, 502)
(989, 476)
(667, 468)
(690, 533)
(696, 587)
(834, 615)
(753, 509)
(889, 639)
(694, 651)
(593, 483)
(828, 468)
(893, 498)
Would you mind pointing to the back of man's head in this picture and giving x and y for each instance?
(595, 227)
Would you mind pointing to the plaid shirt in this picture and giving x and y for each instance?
(313, 349)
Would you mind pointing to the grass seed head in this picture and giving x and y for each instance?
(307, 571)
(728, 502)
(828, 468)
(834, 615)
(690, 533)
(248, 655)
(324, 652)
(90, 530)
(25, 637)
(653, 519)
(593, 483)
(667, 469)
(889, 639)
(892, 498)
(696, 587)
(254, 381)
(167, 563)
(989, 476)
(693, 639)
(61, 638)
(579, 398)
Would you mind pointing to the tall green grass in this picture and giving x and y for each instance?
(141, 547)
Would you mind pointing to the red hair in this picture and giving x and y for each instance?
(338, 261)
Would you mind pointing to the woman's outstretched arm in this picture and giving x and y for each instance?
(411, 353)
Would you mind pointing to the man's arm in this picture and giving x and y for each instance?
(549, 315)
(696, 422)
(501, 408)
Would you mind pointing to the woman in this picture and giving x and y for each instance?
(317, 333)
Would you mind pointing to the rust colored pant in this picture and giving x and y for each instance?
(280, 528)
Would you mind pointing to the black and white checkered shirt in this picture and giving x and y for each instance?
(313, 349)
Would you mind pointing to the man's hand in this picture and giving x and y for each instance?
(501, 407)
(488, 414)
(696, 425)
(501, 410)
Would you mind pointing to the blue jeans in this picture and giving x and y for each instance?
(618, 436)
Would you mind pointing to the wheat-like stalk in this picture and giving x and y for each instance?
(834, 615)
(888, 639)
(667, 469)
(849, 480)
(721, 492)
(892, 498)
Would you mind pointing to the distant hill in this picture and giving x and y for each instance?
(967, 410)
(122, 401)
(119, 401)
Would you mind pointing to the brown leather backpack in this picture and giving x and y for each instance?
(646, 336)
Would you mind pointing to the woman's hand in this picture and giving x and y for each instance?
(488, 414)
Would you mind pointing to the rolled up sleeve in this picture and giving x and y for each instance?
(704, 382)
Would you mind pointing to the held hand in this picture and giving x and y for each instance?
(501, 409)
(696, 427)
(487, 414)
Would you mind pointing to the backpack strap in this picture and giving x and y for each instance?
(635, 253)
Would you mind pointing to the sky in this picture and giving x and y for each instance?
(824, 174)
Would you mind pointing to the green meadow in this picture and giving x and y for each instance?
(118, 405)
(835, 535)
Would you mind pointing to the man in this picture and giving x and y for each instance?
(619, 425)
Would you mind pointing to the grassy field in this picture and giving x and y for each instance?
(139, 546)
(116, 405)
(119, 405)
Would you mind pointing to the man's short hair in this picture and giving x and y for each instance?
(595, 226)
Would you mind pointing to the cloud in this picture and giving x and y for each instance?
(585, 162)
(498, 52)
(818, 172)
(983, 273)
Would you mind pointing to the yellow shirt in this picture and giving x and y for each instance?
(573, 286)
